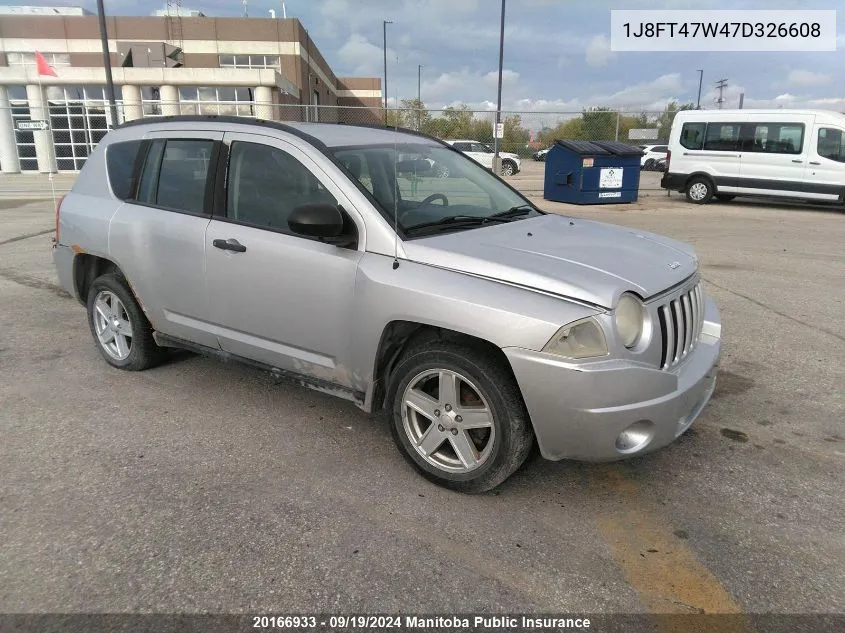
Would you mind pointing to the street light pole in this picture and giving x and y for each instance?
(499, 100)
(700, 78)
(419, 96)
(104, 40)
(384, 26)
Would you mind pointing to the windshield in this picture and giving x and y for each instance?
(432, 184)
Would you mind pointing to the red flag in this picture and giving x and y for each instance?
(43, 67)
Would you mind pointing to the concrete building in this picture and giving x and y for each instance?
(161, 65)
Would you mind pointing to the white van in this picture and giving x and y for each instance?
(782, 153)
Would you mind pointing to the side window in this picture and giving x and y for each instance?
(481, 147)
(722, 137)
(692, 135)
(462, 147)
(265, 184)
(175, 174)
(831, 144)
(773, 138)
(120, 163)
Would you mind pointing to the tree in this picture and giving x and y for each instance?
(412, 114)
(599, 124)
(664, 121)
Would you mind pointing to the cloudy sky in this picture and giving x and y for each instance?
(557, 53)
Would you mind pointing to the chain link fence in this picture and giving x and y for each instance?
(59, 136)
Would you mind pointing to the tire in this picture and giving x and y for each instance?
(699, 190)
(110, 296)
(508, 168)
(487, 394)
(725, 197)
(649, 164)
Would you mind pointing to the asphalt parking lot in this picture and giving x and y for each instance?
(203, 487)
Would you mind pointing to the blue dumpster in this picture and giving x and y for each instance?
(592, 172)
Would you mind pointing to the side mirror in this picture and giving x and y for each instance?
(318, 219)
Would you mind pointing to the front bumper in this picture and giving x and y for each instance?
(579, 411)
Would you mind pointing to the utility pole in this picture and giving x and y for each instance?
(721, 85)
(496, 161)
(419, 96)
(700, 79)
(104, 40)
(384, 26)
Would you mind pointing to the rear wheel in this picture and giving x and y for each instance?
(458, 416)
(121, 331)
(699, 190)
(649, 164)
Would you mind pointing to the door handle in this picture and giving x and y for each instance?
(815, 162)
(229, 245)
(798, 160)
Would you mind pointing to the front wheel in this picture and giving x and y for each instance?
(508, 168)
(699, 190)
(458, 416)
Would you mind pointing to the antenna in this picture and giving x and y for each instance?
(395, 180)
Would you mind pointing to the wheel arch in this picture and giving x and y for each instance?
(701, 174)
(86, 268)
(399, 336)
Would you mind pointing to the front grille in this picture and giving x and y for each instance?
(680, 319)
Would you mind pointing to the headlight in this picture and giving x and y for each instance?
(580, 339)
(630, 318)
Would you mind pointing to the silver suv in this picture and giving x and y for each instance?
(476, 322)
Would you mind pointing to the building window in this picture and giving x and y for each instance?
(226, 101)
(151, 100)
(79, 119)
(250, 61)
(315, 106)
(28, 59)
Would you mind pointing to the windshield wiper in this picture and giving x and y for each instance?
(453, 221)
(513, 212)
(474, 220)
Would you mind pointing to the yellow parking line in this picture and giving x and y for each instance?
(661, 567)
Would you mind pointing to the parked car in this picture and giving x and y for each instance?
(773, 153)
(660, 165)
(540, 155)
(483, 154)
(651, 155)
(475, 323)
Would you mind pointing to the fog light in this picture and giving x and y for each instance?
(635, 437)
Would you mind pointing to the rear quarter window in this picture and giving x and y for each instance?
(120, 163)
(692, 135)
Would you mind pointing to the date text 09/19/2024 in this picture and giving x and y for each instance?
(422, 622)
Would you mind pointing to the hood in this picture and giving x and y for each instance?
(509, 155)
(588, 261)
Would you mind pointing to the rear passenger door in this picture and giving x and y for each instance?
(773, 158)
(824, 176)
(277, 297)
(157, 237)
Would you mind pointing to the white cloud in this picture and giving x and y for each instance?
(807, 78)
(509, 78)
(364, 57)
(598, 51)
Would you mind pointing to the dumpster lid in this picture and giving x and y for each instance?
(620, 149)
(583, 148)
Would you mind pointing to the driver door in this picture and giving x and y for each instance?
(276, 297)
(483, 155)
